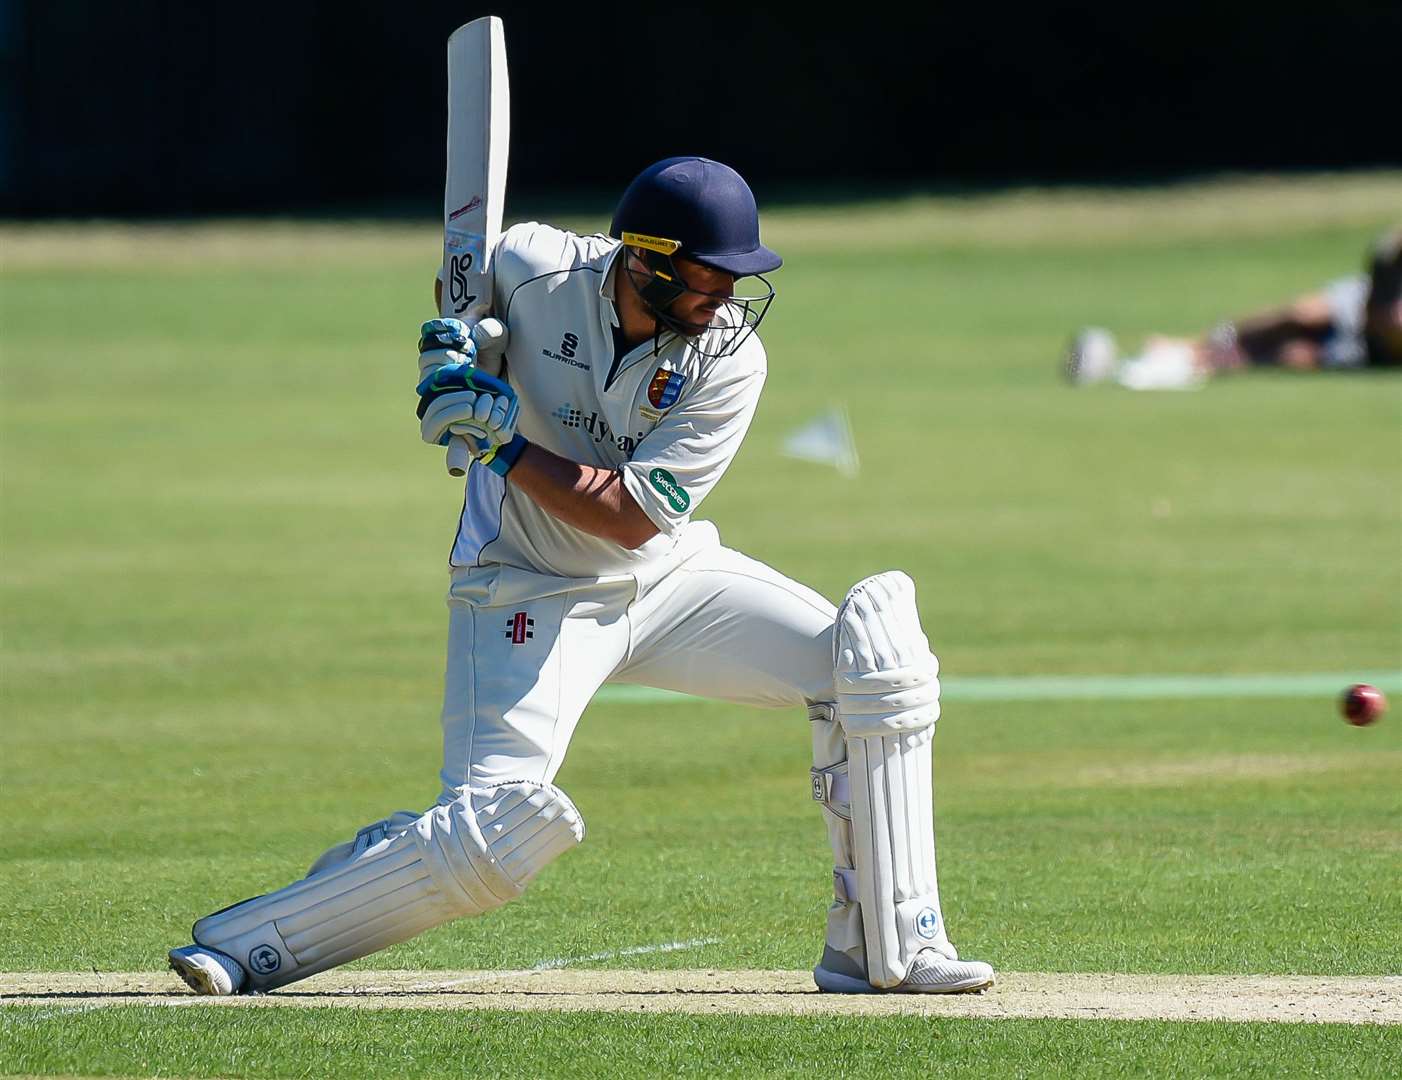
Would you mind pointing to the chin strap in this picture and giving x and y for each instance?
(658, 289)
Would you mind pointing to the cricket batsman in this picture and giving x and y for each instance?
(629, 377)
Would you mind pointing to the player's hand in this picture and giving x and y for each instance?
(461, 400)
(444, 342)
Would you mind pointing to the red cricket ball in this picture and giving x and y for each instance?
(1361, 704)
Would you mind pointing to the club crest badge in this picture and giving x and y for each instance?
(665, 388)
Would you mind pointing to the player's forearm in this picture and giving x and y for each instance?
(591, 499)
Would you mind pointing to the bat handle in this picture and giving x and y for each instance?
(459, 456)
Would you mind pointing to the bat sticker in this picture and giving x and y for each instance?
(457, 240)
(473, 204)
(464, 252)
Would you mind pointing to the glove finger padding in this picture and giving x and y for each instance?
(444, 334)
(460, 399)
(454, 377)
(452, 414)
(444, 343)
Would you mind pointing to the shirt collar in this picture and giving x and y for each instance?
(607, 282)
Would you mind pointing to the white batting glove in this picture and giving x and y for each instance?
(443, 343)
(482, 417)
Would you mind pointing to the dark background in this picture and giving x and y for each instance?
(160, 107)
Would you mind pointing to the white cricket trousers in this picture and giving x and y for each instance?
(526, 653)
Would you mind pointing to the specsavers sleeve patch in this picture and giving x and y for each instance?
(677, 464)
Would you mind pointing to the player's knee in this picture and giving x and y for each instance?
(887, 678)
(482, 845)
(483, 848)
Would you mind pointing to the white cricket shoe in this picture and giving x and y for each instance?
(206, 971)
(1091, 357)
(933, 971)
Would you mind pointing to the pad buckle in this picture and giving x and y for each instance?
(830, 788)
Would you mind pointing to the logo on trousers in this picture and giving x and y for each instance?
(265, 959)
(518, 628)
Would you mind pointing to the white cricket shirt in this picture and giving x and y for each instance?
(671, 421)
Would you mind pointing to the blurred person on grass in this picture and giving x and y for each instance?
(1351, 323)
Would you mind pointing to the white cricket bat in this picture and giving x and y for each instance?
(479, 135)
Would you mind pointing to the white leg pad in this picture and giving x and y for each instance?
(463, 858)
(895, 851)
(887, 704)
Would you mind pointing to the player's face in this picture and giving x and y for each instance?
(707, 290)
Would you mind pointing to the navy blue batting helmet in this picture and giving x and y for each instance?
(698, 209)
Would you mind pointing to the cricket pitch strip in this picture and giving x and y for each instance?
(1288, 999)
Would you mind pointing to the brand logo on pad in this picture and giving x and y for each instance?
(518, 628)
(265, 959)
(665, 388)
(927, 924)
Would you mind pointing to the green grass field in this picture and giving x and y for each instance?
(223, 568)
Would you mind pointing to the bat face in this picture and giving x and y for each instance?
(479, 111)
(479, 134)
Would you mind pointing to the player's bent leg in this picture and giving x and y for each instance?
(466, 857)
(521, 672)
(730, 628)
(872, 773)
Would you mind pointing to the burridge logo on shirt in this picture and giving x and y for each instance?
(597, 427)
(666, 483)
(568, 345)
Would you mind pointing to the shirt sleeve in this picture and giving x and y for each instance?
(682, 459)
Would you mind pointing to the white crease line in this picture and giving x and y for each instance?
(50, 1014)
(1093, 687)
(556, 963)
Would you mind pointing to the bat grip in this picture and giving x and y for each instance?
(459, 456)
